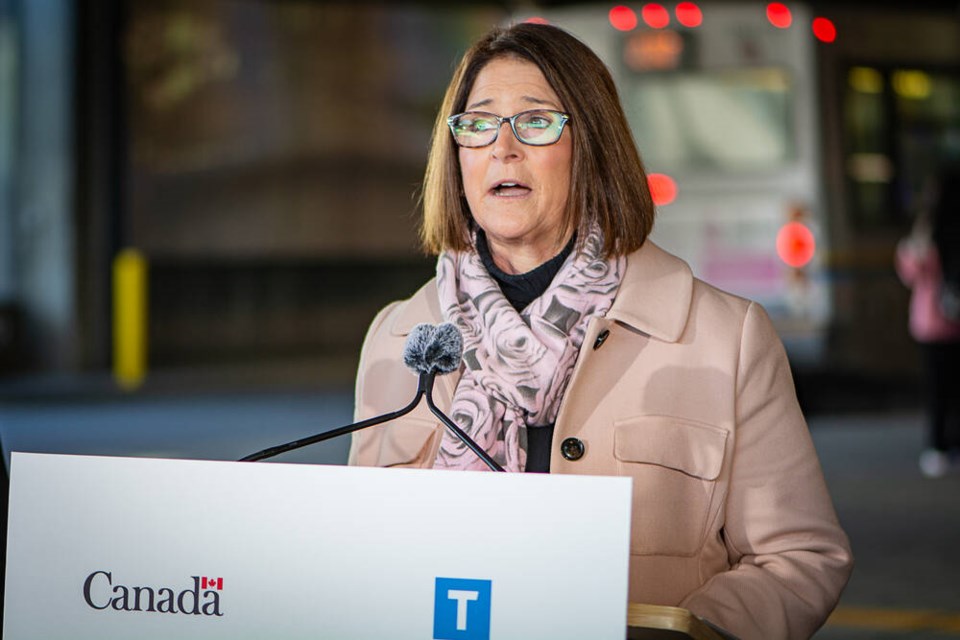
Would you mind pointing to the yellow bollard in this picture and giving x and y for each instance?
(129, 319)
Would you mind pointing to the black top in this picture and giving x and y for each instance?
(520, 290)
(523, 288)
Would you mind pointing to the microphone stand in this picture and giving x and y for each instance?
(457, 431)
(424, 388)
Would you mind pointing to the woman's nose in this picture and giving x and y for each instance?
(506, 147)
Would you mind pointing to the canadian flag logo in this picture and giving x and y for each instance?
(211, 583)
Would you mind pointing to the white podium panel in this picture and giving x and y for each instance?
(159, 549)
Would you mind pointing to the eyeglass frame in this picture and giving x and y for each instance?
(564, 119)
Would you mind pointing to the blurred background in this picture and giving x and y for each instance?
(203, 203)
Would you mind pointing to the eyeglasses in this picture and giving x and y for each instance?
(538, 127)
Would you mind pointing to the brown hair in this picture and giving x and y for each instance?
(607, 184)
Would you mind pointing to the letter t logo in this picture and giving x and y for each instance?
(461, 609)
(462, 597)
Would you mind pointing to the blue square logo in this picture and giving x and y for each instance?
(461, 609)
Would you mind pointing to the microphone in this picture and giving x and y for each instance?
(429, 351)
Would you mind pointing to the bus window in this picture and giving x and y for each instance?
(728, 119)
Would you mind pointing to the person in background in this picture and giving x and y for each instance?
(590, 350)
(928, 261)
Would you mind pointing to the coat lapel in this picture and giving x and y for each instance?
(655, 293)
(653, 303)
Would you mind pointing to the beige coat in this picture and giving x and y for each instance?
(691, 396)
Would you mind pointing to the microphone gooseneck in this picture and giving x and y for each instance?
(429, 350)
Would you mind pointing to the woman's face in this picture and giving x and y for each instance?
(522, 221)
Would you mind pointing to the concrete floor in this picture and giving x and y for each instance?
(905, 529)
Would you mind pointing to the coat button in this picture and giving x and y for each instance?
(601, 338)
(572, 448)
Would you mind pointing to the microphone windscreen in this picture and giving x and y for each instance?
(415, 348)
(445, 351)
(433, 349)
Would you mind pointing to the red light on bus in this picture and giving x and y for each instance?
(795, 244)
(824, 30)
(623, 18)
(663, 188)
(655, 15)
(537, 20)
(689, 14)
(779, 15)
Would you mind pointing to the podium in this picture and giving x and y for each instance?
(103, 547)
(654, 622)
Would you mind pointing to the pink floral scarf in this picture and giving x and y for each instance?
(517, 365)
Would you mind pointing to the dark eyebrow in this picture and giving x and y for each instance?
(530, 99)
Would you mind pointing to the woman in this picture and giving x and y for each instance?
(589, 350)
(928, 261)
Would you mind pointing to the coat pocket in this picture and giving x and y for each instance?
(407, 442)
(674, 464)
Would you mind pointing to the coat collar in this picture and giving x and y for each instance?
(654, 297)
(655, 293)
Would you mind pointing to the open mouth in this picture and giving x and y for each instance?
(509, 189)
